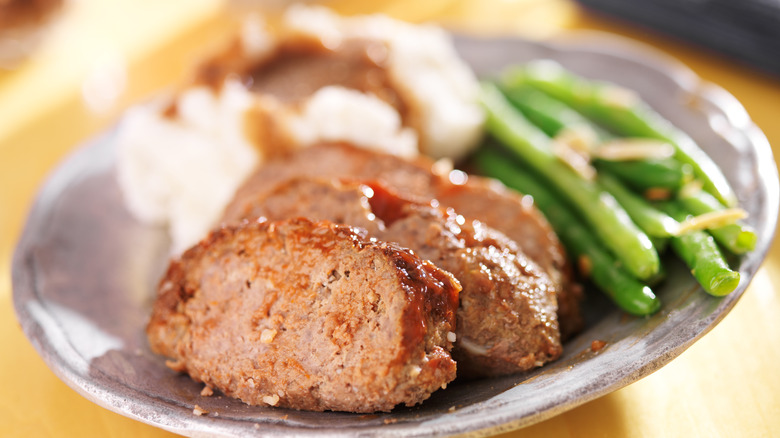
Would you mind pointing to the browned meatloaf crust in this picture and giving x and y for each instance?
(475, 198)
(491, 202)
(506, 322)
(279, 313)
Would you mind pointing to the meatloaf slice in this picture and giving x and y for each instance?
(413, 178)
(506, 322)
(279, 313)
(473, 197)
(489, 201)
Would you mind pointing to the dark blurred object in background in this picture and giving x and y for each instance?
(747, 30)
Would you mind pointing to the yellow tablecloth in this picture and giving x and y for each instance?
(727, 384)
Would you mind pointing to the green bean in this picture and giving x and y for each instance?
(700, 252)
(604, 271)
(624, 113)
(651, 174)
(609, 221)
(737, 238)
(553, 116)
(652, 221)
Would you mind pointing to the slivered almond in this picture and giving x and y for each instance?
(712, 219)
(581, 138)
(575, 160)
(691, 189)
(626, 149)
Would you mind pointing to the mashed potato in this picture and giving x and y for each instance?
(424, 62)
(182, 171)
(182, 168)
(338, 114)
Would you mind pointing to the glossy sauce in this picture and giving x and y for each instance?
(385, 204)
(300, 66)
(430, 291)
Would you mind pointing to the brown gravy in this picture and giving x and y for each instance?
(300, 66)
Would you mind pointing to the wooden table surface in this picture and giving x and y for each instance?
(104, 55)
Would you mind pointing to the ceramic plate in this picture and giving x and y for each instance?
(84, 276)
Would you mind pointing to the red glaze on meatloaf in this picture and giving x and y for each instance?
(492, 203)
(307, 315)
(506, 322)
(475, 198)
